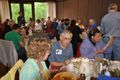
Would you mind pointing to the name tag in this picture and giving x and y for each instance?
(58, 51)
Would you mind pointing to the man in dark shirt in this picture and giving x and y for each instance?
(21, 20)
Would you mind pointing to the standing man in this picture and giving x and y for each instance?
(110, 27)
(21, 19)
(76, 31)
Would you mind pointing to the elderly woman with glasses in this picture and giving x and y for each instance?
(61, 52)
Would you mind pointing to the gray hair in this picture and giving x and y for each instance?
(66, 32)
(112, 6)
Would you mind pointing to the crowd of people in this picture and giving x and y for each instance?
(71, 36)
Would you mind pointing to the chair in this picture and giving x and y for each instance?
(8, 54)
(11, 73)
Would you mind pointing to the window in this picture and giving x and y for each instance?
(15, 8)
(27, 11)
(35, 10)
(41, 10)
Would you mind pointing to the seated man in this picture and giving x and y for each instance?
(92, 46)
(16, 38)
(61, 52)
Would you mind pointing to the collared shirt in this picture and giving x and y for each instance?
(87, 49)
(110, 24)
(31, 71)
(58, 54)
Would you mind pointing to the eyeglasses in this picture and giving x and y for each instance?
(66, 38)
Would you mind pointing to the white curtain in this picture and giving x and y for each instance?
(52, 9)
(4, 10)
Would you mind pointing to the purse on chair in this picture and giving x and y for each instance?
(11, 73)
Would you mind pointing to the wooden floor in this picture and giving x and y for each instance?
(4, 70)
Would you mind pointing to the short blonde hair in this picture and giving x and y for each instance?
(38, 46)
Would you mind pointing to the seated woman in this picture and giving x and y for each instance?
(61, 52)
(92, 46)
(35, 68)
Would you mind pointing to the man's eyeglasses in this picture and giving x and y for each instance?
(65, 38)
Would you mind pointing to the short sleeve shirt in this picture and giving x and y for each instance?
(15, 37)
(58, 54)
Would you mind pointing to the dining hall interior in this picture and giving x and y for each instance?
(47, 39)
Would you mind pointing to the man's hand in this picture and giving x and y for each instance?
(67, 62)
(100, 51)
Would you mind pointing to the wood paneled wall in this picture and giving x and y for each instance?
(84, 9)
